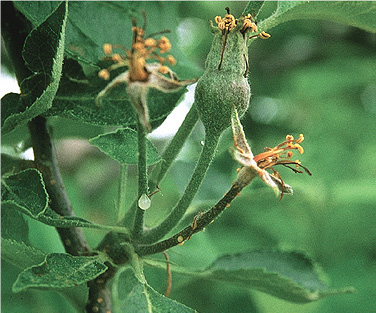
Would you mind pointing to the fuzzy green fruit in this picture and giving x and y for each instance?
(224, 83)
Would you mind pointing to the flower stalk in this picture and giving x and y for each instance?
(138, 224)
(205, 159)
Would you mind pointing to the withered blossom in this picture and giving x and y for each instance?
(140, 75)
(257, 165)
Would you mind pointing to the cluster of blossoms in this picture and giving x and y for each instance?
(135, 59)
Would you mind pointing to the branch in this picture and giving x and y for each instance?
(99, 292)
(46, 162)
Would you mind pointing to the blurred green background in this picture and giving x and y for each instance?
(311, 77)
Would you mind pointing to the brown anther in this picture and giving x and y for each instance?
(238, 194)
(95, 309)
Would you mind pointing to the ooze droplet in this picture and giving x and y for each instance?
(144, 202)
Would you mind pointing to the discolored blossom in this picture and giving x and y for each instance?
(140, 75)
(257, 165)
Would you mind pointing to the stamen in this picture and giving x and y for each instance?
(107, 48)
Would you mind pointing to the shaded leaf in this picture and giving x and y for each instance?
(354, 13)
(20, 254)
(122, 147)
(25, 192)
(43, 54)
(131, 295)
(13, 225)
(287, 275)
(60, 270)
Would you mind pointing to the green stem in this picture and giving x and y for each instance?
(199, 224)
(122, 188)
(138, 224)
(168, 156)
(175, 146)
(207, 155)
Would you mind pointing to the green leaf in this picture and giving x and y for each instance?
(51, 218)
(43, 54)
(85, 43)
(77, 101)
(20, 254)
(253, 7)
(287, 275)
(354, 13)
(25, 192)
(122, 147)
(60, 270)
(290, 276)
(131, 295)
(13, 225)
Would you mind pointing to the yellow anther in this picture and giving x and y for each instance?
(164, 44)
(104, 74)
(150, 42)
(107, 48)
(163, 69)
(264, 35)
(171, 59)
(117, 58)
(138, 46)
(218, 19)
(300, 139)
(289, 138)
